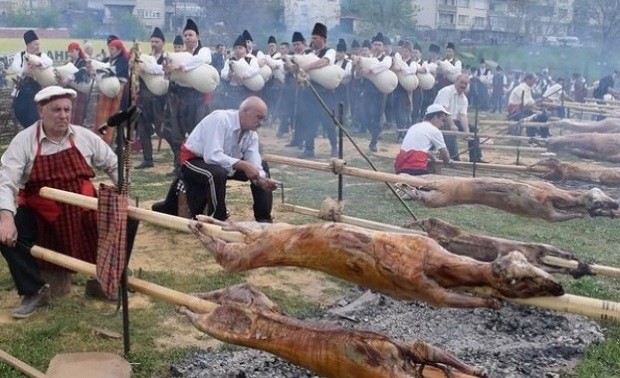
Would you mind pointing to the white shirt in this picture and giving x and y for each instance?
(347, 69)
(18, 67)
(154, 69)
(330, 55)
(521, 91)
(455, 66)
(422, 137)
(452, 101)
(554, 92)
(18, 158)
(195, 61)
(384, 64)
(216, 140)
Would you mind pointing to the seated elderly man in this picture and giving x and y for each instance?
(57, 154)
(420, 140)
(224, 145)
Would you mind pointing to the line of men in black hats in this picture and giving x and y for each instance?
(174, 114)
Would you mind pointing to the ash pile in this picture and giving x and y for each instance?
(516, 341)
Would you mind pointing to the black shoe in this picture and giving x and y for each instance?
(144, 164)
(30, 303)
(292, 144)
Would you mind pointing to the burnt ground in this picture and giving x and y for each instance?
(516, 341)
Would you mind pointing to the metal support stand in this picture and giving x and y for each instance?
(340, 149)
(476, 143)
(120, 153)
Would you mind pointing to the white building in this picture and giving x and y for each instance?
(301, 15)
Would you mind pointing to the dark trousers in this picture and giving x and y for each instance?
(185, 109)
(402, 108)
(452, 144)
(312, 114)
(206, 185)
(417, 103)
(373, 101)
(23, 267)
(152, 115)
(24, 107)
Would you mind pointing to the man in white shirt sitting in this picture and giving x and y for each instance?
(420, 140)
(454, 100)
(224, 145)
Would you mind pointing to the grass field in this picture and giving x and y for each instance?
(160, 337)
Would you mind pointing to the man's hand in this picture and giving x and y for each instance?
(266, 184)
(251, 172)
(8, 231)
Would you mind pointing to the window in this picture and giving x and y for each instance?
(563, 13)
(463, 4)
(446, 19)
(463, 20)
(479, 4)
(447, 2)
(479, 22)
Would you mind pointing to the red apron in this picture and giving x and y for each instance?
(68, 229)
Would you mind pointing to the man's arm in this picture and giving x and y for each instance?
(444, 155)
(383, 65)
(13, 163)
(203, 57)
(326, 60)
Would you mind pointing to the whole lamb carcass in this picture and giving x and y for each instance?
(404, 266)
(385, 81)
(246, 317)
(601, 147)
(203, 78)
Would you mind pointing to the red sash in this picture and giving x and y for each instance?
(412, 159)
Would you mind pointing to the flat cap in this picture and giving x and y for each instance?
(50, 93)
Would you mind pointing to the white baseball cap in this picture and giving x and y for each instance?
(50, 92)
(436, 108)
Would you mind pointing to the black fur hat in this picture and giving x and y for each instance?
(298, 37)
(157, 33)
(191, 25)
(342, 45)
(30, 36)
(320, 30)
(178, 41)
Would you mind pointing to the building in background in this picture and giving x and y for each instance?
(301, 15)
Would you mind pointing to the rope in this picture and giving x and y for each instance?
(337, 166)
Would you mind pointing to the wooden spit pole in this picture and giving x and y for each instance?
(20, 365)
(596, 308)
(169, 295)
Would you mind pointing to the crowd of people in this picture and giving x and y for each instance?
(213, 135)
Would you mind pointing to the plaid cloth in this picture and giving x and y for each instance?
(112, 243)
